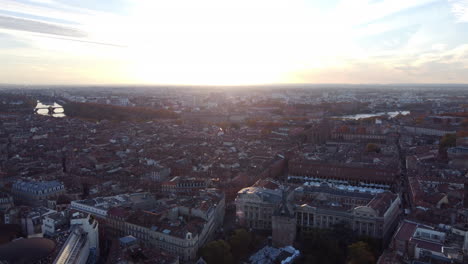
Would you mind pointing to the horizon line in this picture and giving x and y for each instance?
(233, 85)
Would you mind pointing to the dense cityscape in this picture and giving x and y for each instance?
(261, 174)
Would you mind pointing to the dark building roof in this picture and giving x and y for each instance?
(26, 251)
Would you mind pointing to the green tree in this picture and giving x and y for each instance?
(320, 246)
(240, 243)
(371, 147)
(235, 126)
(375, 245)
(277, 112)
(251, 122)
(223, 125)
(464, 123)
(96, 111)
(217, 252)
(447, 141)
(360, 253)
(343, 234)
(419, 120)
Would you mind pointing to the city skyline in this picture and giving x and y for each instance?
(226, 43)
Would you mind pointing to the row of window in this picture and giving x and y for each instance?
(259, 224)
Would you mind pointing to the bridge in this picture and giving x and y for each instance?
(50, 108)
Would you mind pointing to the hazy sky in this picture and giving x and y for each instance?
(233, 42)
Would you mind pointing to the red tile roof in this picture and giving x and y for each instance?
(432, 246)
(406, 231)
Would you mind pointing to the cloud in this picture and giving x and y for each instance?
(52, 18)
(88, 41)
(9, 42)
(448, 66)
(29, 9)
(392, 39)
(48, 2)
(362, 12)
(15, 23)
(460, 9)
(439, 46)
(50, 9)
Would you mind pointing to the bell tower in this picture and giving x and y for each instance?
(283, 224)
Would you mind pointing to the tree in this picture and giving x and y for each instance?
(272, 124)
(223, 125)
(419, 120)
(462, 134)
(235, 126)
(277, 112)
(320, 246)
(375, 245)
(371, 147)
(217, 252)
(251, 122)
(342, 233)
(360, 253)
(240, 243)
(464, 123)
(95, 111)
(265, 131)
(447, 141)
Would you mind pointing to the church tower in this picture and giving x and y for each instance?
(283, 224)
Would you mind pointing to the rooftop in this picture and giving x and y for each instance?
(36, 248)
(271, 255)
(267, 195)
(36, 185)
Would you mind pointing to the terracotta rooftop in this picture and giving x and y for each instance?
(432, 246)
(406, 231)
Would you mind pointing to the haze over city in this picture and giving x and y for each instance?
(234, 132)
(233, 42)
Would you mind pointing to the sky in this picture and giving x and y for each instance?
(240, 42)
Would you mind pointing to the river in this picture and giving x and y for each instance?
(42, 109)
(361, 116)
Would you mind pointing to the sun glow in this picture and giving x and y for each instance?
(216, 42)
(232, 42)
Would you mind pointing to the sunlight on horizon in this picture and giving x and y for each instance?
(233, 51)
(233, 43)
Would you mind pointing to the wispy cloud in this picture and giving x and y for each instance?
(361, 12)
(29, 25)
(41, 11)
(44, 1)
(460, 9)
(53, 19)
(87, 41)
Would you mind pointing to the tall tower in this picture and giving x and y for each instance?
(283, 224)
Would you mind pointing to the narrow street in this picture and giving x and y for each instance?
(403, 184)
